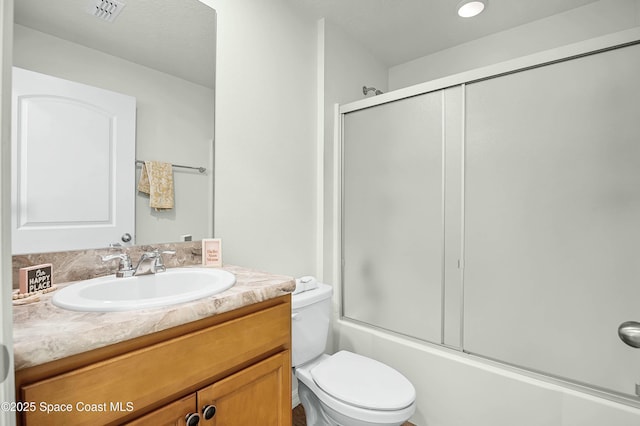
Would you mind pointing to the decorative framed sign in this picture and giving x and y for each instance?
(35, 278)
(212, 252)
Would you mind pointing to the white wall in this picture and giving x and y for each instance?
(593, 20)
(265, 202)
(174, 124)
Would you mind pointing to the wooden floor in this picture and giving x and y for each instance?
(298, 416)
(300, 420)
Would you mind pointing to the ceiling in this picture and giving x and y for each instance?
(397, 31)
(177, 37)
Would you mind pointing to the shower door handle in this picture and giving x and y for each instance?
(629, 332)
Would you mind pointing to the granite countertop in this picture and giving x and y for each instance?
(43, 332)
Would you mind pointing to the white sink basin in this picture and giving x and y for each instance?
(178, 285)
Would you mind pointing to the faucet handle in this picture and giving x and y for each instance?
(124, 258)
(160, 266)
(125, 268)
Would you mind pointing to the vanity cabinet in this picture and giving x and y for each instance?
(250, 397)
(239, 362)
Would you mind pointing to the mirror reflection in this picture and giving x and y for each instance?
(162, 53)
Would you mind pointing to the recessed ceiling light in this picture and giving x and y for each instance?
(468, 8)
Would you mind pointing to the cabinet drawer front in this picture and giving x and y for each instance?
(159, 372)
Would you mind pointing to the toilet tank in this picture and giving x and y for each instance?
(310, 317)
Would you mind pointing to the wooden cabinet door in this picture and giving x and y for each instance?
(258, 395)
(173, 414)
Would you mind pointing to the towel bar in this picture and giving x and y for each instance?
(200, 169)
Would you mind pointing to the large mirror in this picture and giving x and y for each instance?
(162, 52)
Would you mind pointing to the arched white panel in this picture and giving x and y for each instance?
(80, 131)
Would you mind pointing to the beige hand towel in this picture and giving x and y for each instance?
(156, 179)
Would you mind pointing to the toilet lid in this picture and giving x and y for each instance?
(363, 382)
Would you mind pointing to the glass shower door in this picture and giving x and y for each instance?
(392, 216)
(552, 218)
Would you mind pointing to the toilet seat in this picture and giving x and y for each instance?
(342, 409)
(363, 382)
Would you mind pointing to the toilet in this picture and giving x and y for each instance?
(343, 389)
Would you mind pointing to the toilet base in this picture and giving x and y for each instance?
(319, 414)
(315, 416)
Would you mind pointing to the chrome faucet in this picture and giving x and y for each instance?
(151, 262)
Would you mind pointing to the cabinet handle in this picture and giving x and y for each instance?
(192, 419)
(208, 411)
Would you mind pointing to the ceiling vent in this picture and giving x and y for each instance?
(106, 10)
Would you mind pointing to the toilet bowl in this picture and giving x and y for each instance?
(343, 389)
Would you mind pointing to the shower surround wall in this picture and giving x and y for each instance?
(524, 187)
